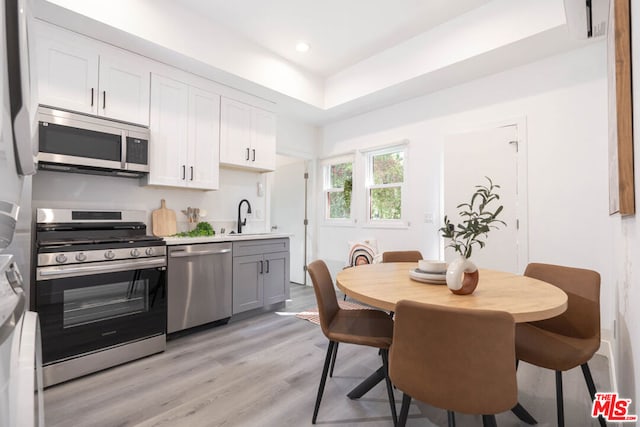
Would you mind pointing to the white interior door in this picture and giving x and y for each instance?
(468, 158)
(287, 210)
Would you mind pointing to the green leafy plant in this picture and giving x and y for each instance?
(347, 188)
(477, 220)
(202, 229)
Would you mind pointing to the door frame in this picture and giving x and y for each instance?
(522, 208)
(310, 168)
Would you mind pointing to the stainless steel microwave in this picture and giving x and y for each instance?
(72, 142)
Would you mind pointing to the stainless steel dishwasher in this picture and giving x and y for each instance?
(199, 285)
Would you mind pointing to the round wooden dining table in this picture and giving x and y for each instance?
(383, 285)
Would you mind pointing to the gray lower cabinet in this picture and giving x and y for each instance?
(260, 273)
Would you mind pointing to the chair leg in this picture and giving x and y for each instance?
(523, 414)
(592, 388)
(451, 419)
(323, 379)
(559, 402)
(392, 401)
(404, 410)
(333, 359)
(489, 421)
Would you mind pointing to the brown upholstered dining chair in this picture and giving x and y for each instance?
(456, 359)
(371, 328)
(401, 256)
(570, 339)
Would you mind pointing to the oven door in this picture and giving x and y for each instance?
(81, 313)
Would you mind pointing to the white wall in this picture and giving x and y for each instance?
(63, 190)
(627, 257)
(563, 99)
(296, 139)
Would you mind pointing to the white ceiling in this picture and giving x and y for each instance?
(340, 32)
(365, 54)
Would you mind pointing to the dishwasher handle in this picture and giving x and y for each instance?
(184, 254)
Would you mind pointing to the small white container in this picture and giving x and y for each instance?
(432, 266)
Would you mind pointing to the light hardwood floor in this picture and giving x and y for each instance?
(264, 371)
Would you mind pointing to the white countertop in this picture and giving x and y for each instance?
(224, 238)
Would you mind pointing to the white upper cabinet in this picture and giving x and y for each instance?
(67, 72)
(168, 132)
(185, 135)
(79, 74)
(263, 140)
(124, 88)
(204, 139)
(235, 132)
(247, 136)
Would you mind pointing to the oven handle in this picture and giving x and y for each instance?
(184, 254)
(47, 273)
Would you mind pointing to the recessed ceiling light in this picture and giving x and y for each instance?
(302, 46)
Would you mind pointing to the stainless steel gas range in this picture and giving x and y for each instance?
(100, 290)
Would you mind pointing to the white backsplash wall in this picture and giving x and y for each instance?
(65, 190)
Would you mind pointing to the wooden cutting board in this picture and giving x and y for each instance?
(163, 221)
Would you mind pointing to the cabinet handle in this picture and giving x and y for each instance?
(254, 155)
(261, 269)
(92, 97)
(267, 266)
(191, 173)
(184, 172)
(247, 153)
(104, 99)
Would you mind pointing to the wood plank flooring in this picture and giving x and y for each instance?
(264, 371)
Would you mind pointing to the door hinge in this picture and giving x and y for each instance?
(517, 224)
(306, 222)
(306, 175)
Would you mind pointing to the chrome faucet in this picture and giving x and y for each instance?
(242, 223)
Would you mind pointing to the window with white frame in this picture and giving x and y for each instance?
(385, 185)
(337, 188)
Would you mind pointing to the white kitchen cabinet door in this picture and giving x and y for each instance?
(263, 142)
(79, 74)
(124, 88)
(235, 133)
(67, 70)
(247, 136)
(204, 139)
(168, 132)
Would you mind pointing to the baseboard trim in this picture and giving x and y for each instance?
(606, 350)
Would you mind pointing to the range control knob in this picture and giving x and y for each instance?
(135, 252)
(81, 257)
(109, 255)
(61, 258)
(149, 251)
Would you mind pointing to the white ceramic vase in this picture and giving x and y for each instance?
(462, 276)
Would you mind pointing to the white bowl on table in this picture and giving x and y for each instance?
(432, 266)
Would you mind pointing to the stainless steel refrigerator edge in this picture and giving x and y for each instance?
(199, 285)
(18, 137)
(20, 348)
